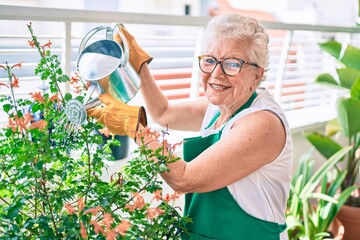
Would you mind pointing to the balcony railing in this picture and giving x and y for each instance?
(173, 41)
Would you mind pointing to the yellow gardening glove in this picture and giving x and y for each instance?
(118, 117)
(137, 56)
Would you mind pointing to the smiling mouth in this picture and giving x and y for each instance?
(218, 87)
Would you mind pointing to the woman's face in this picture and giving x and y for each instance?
(230, 91)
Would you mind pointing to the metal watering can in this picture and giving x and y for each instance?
(105, 64)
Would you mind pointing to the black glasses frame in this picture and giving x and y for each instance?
(242, 62)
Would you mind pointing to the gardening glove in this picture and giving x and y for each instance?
(118, 117)
(137, 56)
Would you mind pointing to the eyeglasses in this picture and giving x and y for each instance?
(230, 66)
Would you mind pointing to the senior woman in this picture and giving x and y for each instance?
(237, 172)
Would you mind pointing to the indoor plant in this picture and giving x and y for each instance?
(50, 178)
(313, 204)
(347, 124)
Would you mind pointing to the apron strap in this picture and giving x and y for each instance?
(246, 105)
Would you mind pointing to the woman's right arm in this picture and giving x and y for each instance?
(183, 116)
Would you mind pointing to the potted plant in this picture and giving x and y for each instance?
(50, 177)
(313, 204)
(346, 125)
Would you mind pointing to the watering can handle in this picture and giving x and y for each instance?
(88, 36)
(110, 36)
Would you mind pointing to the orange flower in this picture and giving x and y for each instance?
(108, 219)
(47, 44)
(83, 230)
(139, 201)
(97, 227)
(32, 43)
(123, 227)
(175, 196)
(55, 98)
(154, 212)
(151, 213)
(15, 83)
(19, 65)
(22, 123)
(77, 89)
(129, 207)
(159, 211)
(167, 198)
(93, 211)
(173, 147)
(154, 134)
(111, 235)
(81, 204)
(37, 97)
(41, 124)
(157, 195)
(4, 84)
(166, 144)
(75, 79)
(70, 208)
(12, 125)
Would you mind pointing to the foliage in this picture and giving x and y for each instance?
(50, 180)
(347, 123)
(311, 210)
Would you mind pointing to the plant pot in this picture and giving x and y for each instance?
(350, 218)
(336, 229)
(118, 152)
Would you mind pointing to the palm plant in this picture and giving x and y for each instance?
(347, 122)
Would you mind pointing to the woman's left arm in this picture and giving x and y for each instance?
(254, 141)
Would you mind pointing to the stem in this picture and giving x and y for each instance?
(89, 161)
(48, 201)
(15, 184)
(10, 76)
(146, 184)
(37, 44)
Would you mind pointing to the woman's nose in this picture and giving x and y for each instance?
(218, 71)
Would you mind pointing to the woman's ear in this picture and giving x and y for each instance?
(259, 73)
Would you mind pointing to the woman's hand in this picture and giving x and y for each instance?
(118, 117)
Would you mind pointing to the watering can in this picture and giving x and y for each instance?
(105, 65)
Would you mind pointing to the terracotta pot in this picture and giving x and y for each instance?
(350, 218)
(336, 229)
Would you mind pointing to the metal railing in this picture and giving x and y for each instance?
(173, 42)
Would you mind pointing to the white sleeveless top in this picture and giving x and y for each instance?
(263, 193)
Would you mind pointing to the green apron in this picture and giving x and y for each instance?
(216, 214)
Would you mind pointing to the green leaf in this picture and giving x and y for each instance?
(321, 196)
(325, 145)
(68, 96)
(35, 107)
(326, 78)
(351, 57)
(355, 89)
(332, 47)
(323, 170)
(332, 127)
(348, 111)
(6, 107)
(347, 76)
(63, 78)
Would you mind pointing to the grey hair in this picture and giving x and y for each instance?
(242, 28)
